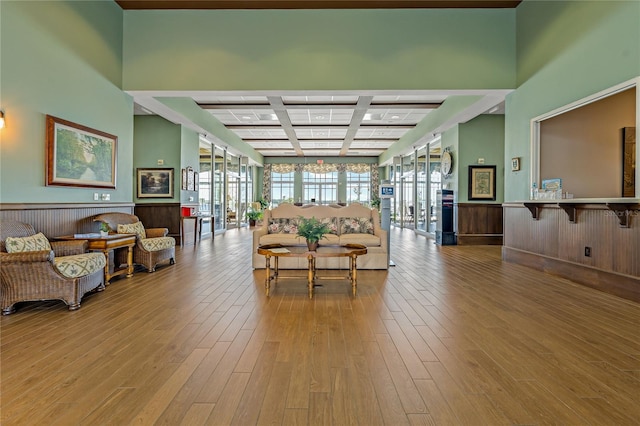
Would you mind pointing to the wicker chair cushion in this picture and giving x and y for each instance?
(35, 242)
(356, 225)
(132, 228)
(80, 265)
(159, 243)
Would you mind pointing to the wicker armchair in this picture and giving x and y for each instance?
(33, 275)
(142, 254)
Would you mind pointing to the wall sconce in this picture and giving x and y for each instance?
(1, 119)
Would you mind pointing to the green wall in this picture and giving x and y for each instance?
(567, 50)
(61, 58)
(319, 49)
(482, 137)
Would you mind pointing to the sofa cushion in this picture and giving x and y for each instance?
(283, 226)
(158, 243)
(367, 240)
(332, 224)
(80, 265)
(329, 239)
(132, 228)
(35, 242)
(356, 225)
(284, 239)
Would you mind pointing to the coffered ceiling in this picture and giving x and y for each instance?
(320, 125)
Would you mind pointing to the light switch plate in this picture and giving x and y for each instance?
(160, 162)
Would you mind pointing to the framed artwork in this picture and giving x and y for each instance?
(628, 162)
(515, 164)
(155, 183)
(190, 179)
(184, 180)
(79, 156)
(482, 183)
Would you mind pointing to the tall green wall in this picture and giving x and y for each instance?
(62, 58)
(567, 50)
(319, 49)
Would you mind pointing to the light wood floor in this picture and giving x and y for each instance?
(449, 336)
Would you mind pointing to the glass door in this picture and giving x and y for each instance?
(422, 190)
(205, 190)
(435, 183)
(233, 191)
(218, 189)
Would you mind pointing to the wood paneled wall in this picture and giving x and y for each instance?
(555, 244)
(61, 219)
(479, 223)
(160, 215)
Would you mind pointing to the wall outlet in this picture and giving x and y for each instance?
(587, 251)
(96, 196)
(106, 197)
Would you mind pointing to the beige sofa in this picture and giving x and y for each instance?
(353, 224)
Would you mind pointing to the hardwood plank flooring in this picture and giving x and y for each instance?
(449, 336)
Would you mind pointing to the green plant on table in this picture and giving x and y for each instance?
(312, 229)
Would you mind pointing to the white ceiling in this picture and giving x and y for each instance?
(323, 124)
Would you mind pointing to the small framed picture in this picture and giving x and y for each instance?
(515, 164)
(155, 183)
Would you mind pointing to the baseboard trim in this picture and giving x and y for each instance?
(479, 239)
(625, 286)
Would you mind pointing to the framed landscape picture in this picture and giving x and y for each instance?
(154, 183)
(79, 156)
(482, 183)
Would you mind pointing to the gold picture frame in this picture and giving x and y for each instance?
(482, 183)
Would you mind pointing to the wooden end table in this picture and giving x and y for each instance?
(352, 251)
(107, 244)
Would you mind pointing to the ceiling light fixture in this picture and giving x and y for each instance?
(1, 119)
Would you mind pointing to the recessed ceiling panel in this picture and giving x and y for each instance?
(321, 133)
(380, 133)
(320, 116)
(321, 144)
(322, 152)
(367, 143)
(316, 99)
(260, 133)
(270, 144)
(395, 116)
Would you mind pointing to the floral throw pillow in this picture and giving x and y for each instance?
(35, 242)
(133, 228)
(356, 225)
(332, 224)
(283, 226)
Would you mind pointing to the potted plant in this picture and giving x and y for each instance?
(104, 229)
(253, 216)
(312, 230)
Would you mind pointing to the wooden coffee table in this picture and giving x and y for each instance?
(276, 251)
(107, 244)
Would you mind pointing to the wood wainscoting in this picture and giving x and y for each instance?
(555, 244)
(166, 215)
(56, 219)
(479, 224)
